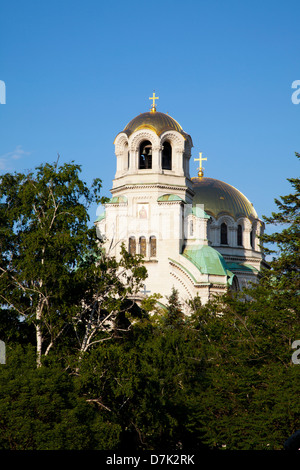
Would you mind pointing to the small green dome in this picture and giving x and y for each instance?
(169, 197)
(100, 217)
(207, 260)
(117, 200)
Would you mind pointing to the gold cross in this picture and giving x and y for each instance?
(200, 169)
(153, 98)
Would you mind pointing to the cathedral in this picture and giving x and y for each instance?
(196, 234)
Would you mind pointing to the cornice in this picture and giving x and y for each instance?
(175, 187)
(242, 259)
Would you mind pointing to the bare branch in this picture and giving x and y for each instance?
(97, 400)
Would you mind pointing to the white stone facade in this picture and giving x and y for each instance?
(153, 212)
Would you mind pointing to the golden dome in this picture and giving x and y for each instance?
(155, 121)
(220, 198)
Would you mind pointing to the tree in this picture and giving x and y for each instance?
(173, 316)
(148, 383)
(252, 399)
(40, 409)
(44, 235)
(54, 272)
(285, 267)
(108, 297)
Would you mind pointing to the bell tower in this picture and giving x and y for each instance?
(151, 191)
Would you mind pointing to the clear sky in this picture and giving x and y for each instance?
(76, 72)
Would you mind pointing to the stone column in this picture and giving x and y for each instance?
(178, 162)
(119, 170)
(156, 158)
(246, 238)
(232, 238)
(214, 233)
(133, 161)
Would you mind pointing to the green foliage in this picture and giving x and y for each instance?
(13, 330)
(173, 317)
(43, 237)
(40, 409)
(53, 272)
(106, 309)
(285, 267)
(252, 401)
(147, 384)
(118, 376)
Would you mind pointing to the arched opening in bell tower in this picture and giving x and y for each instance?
(167, 156)
(240, 235)
(252, 238)
(145, 155)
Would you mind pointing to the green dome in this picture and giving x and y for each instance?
(207, 260)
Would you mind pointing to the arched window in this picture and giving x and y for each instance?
(143, 247)
(128, 161)
(132, 246)
(235, 285)
(167, 156)
(152, 247)
(145, 155)
(240, 235)
(252, 238)
(224, 238)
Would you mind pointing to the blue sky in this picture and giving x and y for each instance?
(76, 72)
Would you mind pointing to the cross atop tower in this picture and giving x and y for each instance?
(153, 98)
(200, 169)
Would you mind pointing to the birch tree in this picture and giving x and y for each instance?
(44, 234)
(111, 288)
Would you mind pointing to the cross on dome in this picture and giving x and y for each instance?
(153, 98)
(200, 160)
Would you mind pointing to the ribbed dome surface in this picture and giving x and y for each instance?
(158, 122)
(221, 198)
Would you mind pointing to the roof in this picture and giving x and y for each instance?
(100, 217)
(155, 121)
(169, 198)
(117, 200)
(218, 198)
(242, 267)
(207, 260)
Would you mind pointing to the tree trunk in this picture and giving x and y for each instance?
(39, 335)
